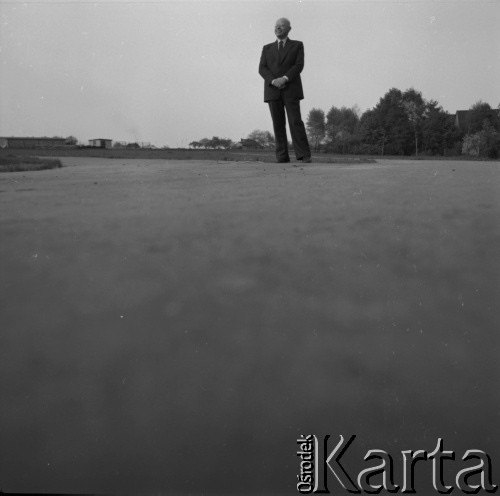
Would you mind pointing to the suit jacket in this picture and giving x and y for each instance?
(289, 62)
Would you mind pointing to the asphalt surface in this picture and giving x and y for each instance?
(174, 326)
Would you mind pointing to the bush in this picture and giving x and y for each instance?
(454, 151)
(471, 145)
(484, 143)
(366, 149)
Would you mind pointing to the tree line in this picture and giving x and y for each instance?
(264, 139)
(404, 123)
(215, 143)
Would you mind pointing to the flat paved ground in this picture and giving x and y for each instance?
(173, 326)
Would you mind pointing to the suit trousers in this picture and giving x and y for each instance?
(297, 128)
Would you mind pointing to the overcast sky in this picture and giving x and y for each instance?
(173, 72)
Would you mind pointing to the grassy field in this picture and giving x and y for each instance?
(166, 154)
(171, 327)
(218, 155)
(14, 163)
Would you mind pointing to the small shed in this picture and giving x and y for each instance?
(101, 143)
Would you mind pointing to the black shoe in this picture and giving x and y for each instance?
(283, 161)
(305, 160)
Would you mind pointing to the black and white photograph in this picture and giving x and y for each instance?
(249, 247)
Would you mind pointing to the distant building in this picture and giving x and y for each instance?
(463, 119)
(120, 144)
(13, 142)
(101, 143)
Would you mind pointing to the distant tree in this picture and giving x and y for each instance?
(195, 144)
(264, 138)
(372, 133)
(341, 128)
(226, 143)
(396, 124)
(416, 111)
(439, 132)
(392, 125)
(316, 127)
(215, 142)
(132, 145)
(71, 140)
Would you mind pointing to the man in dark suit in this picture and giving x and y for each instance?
(280, 65)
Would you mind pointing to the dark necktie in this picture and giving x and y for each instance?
(280, 46)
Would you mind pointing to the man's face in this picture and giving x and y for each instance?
(281, 28)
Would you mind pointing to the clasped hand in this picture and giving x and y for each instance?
(279, 82)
